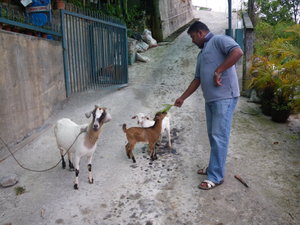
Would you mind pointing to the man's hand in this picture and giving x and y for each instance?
(217, 79)
(179, 102)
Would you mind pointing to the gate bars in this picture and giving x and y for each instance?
(95, 52)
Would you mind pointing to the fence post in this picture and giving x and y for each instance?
(248, 53)
(65, 55)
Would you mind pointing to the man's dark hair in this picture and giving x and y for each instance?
(197, 26)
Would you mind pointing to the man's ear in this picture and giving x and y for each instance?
(200, 34)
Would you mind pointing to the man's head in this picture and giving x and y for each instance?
(198, 31)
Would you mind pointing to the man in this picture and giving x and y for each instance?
(216, 73)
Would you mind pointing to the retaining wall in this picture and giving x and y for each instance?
(168, 16)
(31, 84)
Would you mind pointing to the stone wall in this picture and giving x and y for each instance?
(169, 16)
(31, 83)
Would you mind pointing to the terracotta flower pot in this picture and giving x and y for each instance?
(44, 35)
(16, 30)
(28, 32)
(7, 27)
(60, 4)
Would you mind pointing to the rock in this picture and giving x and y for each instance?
(141, 46)
(9, 180)
(141, 58)
(131, 51)
(147, 37)
(253, 97)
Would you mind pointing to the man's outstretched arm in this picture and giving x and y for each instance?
(190, 90)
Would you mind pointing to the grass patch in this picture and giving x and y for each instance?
(20, 190)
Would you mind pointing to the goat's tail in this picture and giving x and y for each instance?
(124, 127)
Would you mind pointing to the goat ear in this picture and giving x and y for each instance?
(97, 106)
(107, 118)
(134, 117)
(88, 114)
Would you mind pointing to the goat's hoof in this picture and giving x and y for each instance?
(153, 158)
(63, 165)
(71, 167)
(76, 186)
(91, 181)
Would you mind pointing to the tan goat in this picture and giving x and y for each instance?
(149, 135)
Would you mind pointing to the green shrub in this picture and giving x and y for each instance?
(276, 66)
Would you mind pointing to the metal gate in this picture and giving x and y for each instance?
(95, 52)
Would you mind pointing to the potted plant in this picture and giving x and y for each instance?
(276, 75)
(262, 81)
(278, 85)
(281, 110)
(287, 93)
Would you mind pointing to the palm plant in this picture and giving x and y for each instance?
(277, 74)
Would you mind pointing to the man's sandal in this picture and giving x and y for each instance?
(202, 171)
(207, 185)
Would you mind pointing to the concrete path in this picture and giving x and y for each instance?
(265, 154)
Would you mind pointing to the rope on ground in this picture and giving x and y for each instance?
(44, 170)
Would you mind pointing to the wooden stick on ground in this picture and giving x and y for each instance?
(241, 180)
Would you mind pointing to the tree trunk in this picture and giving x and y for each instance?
(251, 11)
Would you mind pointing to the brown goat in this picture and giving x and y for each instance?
(144, 134)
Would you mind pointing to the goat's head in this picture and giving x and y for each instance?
(100, 115)
(160, 116)
(140, 118)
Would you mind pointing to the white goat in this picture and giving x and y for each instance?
(80, 140)
(144, 121)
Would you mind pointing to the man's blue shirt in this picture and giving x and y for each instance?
(212, 55)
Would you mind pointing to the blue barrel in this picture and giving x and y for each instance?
(39, 12)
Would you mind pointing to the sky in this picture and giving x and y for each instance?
(217, 5)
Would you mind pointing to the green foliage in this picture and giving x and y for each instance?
(136, 19)
(112, 10)
(275, 11)
(167, 108)
(276, 67)
(77, 3)
(294, 32)
(265, 33)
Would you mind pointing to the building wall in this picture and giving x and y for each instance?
(174, 14)
(168, 16)
(31, 83)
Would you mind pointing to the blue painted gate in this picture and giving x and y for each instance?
(95, 52)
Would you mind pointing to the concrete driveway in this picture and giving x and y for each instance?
(265, 154)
